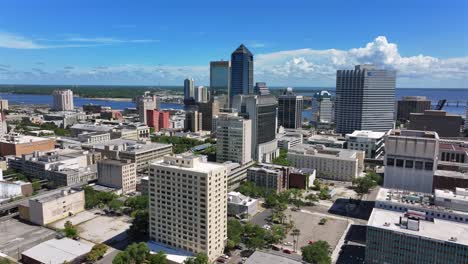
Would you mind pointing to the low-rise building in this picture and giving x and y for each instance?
(14, 189)
(370, 142)
(64, 118)
(302, 178)
(237, 173)
(445, 124)
(330, 141)
(141, 153)
(94, 137)
(269, 176)
(18, 145)
(119, 174)
(288, 140)
(410, 227)
(260, 257)
(57, 251)
(53, 206)
(239, 205)
(330, 163)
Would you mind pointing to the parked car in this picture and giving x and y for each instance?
(287, 251)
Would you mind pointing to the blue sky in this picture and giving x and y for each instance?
(295, 43)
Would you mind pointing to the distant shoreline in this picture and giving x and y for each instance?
(106, 99)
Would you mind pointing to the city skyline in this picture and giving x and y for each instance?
(110, 44)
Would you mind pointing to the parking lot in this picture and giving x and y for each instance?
(311, 230)
(17, 236)
(99, 228)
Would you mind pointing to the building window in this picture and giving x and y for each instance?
(428, 165)
(390, 161)
(418, 165)
(399, 162)
(409, 164)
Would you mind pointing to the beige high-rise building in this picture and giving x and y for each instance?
(188, 208)
(62, 100)
(193, 121)
(118, 174)
(234, 141)
(147, 101)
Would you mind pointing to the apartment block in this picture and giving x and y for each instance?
(188, 204)
(233, 139)
(369, 141)
(269, 176)
(120, 174)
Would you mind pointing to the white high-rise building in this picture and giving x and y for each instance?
(365, 99)
(202, 94)
(323, 107)
(147, 101)
(188, 208)
(233, 135)
(62, 100)
(410, 160)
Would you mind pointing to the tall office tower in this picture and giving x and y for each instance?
(241, 72)
(208, 110)
(147, 101)
(62, 100)
(189, 89)
(411, 104)
(201, 94)
(365, 99)
(410, 160)
(189, 209)
(323, 107)
(234, 142)
(193, 121)
(290, 108)
(263, 111)
(219, 77)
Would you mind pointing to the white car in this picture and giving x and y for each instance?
(287, 243)
(267, 227)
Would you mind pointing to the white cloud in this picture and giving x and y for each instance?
(301, 67)
(13, 41)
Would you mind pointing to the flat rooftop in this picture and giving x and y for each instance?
(54, 195)
(131, 145)
(173, 254)
(325, 152)
(200, 164)
(413, 133)
(22, 139)
(58, 251)
(259, 257)
(441, 230)
(366, 134)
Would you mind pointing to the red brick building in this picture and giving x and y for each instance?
(157, 119)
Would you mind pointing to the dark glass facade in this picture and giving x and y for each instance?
(241, 72)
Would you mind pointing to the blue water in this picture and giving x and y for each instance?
(432, 94)
(78, 101)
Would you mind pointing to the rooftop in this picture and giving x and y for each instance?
(128, 145)
(238, 198)
(173, 254)
(58, 251)
(322, 151)
(189, 162)
(366, 134)
(22, 139)
(259, 257)
(54, 195)
(438, 229)
(413, 133)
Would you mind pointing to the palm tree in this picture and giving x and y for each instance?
(295, 233)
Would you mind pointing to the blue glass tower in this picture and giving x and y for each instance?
(241, 72)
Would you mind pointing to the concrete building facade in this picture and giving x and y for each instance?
(120, 174)
(445, 124)
(269, 176)
(62, 100)
(233, 143)
(410, 160)
(370, 142)
(188, 208)
(411, 104)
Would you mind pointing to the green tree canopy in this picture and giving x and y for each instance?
(200, 258)
(317, 253)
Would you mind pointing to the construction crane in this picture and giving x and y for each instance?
(440, 104)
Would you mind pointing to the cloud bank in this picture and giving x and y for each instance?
(301, 67)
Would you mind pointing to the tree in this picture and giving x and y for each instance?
(140, 225)
(140, 202)
(234, 233)
(96, 253)
(255, 242)
(364, 184)
(122, 258)
(158, 258)
(115, 204)
(295, 233)
(312, 198)
(138, 252)
(70, 230)
(282, 159)
(36, 185)
(5, 261)
(200, 258)
(276, 234)
(318, 253)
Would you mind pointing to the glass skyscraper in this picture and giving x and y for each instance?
(241, 72)
(365, 99)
